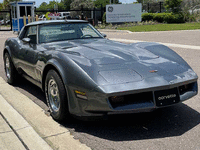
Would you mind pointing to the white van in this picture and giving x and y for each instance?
(64, 15)
(42, 17)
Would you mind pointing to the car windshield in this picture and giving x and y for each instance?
(69, 31)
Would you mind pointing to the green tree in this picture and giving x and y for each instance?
(1, 6)
(67, 4)
(140, 1)
(61, 6)
(98, 3)
(148, 1)
(173, 5)
(42, 6)
(76, 4)
(50, 6)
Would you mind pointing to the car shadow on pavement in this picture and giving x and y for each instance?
(32, 91)
(166, 122)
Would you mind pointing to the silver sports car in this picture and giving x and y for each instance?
(84, 74)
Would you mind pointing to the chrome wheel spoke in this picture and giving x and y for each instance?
(7, 67)
(53, 94)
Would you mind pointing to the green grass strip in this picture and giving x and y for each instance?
(162, 27)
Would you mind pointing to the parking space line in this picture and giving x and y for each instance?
(167, 44)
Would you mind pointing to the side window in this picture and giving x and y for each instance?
(28, 9)
(22, 11)
(13, 11)
(87, 31)
(31, 33)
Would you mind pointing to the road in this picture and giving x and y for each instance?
(176, 127)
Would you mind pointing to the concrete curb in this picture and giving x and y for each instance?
(127, 31)
(26, 133)
(113, 30)
(53, 133)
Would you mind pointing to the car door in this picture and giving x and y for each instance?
(29, 52)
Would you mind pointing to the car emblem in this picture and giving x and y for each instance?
(153, 71)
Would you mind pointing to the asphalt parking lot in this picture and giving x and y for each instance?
(176, 127)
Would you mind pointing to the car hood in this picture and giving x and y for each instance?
(102, 51)
(108, 62)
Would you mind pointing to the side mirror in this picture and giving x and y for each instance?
(26, 40)
(104, 35)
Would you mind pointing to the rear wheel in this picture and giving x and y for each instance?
(10, 71)
(56, 95)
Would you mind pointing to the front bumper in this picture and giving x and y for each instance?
(135, 101)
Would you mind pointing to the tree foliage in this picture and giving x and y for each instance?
(6, 4)
(51, 5)
(147, 1)
(43, 6)
(67, 4)
(77, 4)
(173, 5)
(98, 3)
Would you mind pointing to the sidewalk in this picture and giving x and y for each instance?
(8, 139)
(24, 125)
(15, 132)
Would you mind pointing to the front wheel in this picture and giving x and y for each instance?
(56, 95)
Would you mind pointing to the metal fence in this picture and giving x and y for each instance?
(154, 7)
(93, 15)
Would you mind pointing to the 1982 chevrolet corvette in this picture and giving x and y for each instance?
(84, 74)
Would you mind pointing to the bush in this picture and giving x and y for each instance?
(169, 18)
(163, 17)
(147, 17)
(46, 15)
(190, 18)
(159, 17)
(179, 18)
(104, 18)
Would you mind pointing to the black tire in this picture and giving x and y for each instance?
(56, 96)
(10, 71)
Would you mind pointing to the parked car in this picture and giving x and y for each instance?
(1, 21)
(64, 15)
(7, 22)
(84, 74)
(42, 17)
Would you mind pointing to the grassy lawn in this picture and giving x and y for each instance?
(162, 27)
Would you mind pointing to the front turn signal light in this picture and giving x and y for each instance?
(80, 94)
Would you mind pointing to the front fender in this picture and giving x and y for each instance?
(163, 51)
(7, 49)
(71, 73)
(74, 78)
